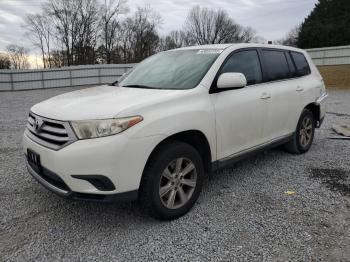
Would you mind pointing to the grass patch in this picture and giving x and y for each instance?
(336, 77)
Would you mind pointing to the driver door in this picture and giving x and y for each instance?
(240, 113)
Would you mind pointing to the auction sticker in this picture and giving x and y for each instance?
(209, 51)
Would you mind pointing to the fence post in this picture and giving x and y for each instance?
(42, 80)
(70, 77)
(99, 76)
(11, 79)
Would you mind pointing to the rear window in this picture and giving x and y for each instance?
(275, 65)
(301, 64)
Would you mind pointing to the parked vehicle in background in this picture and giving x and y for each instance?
(178, 115)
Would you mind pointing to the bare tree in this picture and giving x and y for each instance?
(39, 29)
(77, 27)
(178, 37)
(74, 32)
(5, 62)
(247, 35)
(110, 24)
(18, 56)
(292, 37)
(259, 39)
(125, 48)
(145, 23)
(175, 39)
(205, 26)
(166, 43)
(57, 58)
(138, 36)
(87, 33)
(64, 15)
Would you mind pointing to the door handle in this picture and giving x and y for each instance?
(265, 96)
(299, 89)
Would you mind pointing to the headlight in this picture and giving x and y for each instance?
(106, 127)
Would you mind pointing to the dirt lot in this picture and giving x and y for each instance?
(243, 213)
(336, 77)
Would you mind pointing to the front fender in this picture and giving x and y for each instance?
(191, 111)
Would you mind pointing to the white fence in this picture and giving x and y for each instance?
(61, 77)
(339, 55)
(103, 74)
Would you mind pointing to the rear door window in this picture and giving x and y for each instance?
(245, 62)
(275, 65)
(292, 69)
(301, 64)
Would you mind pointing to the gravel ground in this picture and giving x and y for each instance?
(243, 213)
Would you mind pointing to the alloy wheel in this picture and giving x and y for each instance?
(305, 133)
(177, 183)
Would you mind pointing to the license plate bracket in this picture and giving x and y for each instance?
(34, 160)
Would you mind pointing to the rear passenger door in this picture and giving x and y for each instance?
(282, 93)
(309, 87)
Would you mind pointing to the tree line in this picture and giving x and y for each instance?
(15, 57)
(78, 32)
(327, 25)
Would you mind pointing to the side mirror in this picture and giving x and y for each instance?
(231, 80)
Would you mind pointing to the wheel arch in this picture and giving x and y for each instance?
(195, 138)
(316, 111)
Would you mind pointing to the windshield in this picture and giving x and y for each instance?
(181, 69)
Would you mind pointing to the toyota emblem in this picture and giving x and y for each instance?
(37, 125)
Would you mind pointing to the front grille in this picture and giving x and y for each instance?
(50, 133)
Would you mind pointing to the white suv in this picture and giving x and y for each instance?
(176, 116)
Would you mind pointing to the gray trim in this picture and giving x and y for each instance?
(119, 197)
(251, 151)
(46, 184)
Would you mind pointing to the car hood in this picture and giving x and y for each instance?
(99, 102)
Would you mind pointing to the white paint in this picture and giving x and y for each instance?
(232, 121)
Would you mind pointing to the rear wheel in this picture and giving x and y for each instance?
(304, 134)
(172, 181)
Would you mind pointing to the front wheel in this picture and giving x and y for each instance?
(304, 134)
(172, 181)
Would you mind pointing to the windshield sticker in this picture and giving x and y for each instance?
(209, 51)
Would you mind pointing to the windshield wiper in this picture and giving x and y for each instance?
(140, 86)
(114, 83)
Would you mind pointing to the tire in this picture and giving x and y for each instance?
(303, 135)
(159, 177)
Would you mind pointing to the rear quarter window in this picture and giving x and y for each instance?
(275, 65)
(301, 64)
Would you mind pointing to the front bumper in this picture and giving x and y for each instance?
(117, 158)
(321, 102)
(67, 193)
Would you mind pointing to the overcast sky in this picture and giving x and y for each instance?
(271, 19)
